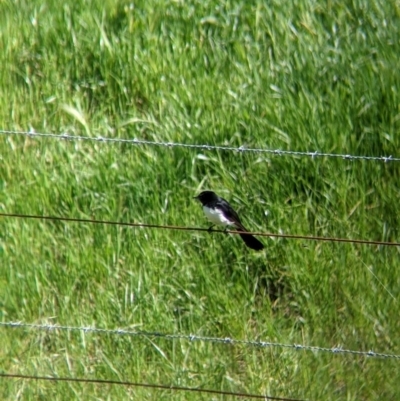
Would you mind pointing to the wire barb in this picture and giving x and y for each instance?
(242, 148)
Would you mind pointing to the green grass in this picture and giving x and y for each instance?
(306, 76)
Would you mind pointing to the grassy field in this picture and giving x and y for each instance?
(291, 75)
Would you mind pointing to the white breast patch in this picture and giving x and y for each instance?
(216, 216)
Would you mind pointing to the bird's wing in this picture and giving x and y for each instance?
(230, 213)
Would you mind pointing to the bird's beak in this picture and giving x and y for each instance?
(195, 197)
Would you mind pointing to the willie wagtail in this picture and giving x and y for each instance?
(220, 212)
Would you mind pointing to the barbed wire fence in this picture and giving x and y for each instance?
(205, 147)
(177, 336)
(190, 337)
(194, 338)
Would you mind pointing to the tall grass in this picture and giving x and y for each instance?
(280, 74)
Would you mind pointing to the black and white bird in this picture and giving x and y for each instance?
(220, 212)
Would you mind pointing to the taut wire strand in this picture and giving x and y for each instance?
(184, 228)
(206, 147)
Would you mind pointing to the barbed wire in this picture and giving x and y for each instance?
(240, 149)
(145, 385)
(193, 337)
(184, 228)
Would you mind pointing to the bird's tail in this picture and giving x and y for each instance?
(251, 241)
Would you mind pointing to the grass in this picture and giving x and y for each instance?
(284, 75)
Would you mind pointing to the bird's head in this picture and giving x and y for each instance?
(206, 196)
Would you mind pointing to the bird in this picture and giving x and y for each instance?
(219, 212)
